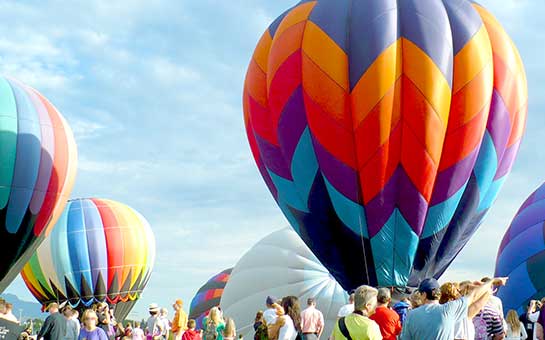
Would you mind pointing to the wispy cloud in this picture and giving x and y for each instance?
(152, 90)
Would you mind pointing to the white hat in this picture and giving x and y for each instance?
(154, 307)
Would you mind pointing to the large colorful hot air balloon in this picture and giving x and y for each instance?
(99, 250)
(38, 160)
(208, 296)
(522, 255)
(385, 129)
(280, 265)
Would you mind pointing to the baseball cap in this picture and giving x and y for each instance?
(270, 300)
(428, 285)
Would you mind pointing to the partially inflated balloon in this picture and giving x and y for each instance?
(521, 256)
(208, 296)
(385, 129)
(99, 250)
(38, 160)
(280, 265)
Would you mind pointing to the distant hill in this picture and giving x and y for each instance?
(27, 309)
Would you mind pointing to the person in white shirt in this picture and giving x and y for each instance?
(270, 313)
(515, 328)
(163, 318)
(348, 308)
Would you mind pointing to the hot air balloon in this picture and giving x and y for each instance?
(280, 265)
(521, 255)
(39, 159)
(99, 250)
(208, 296)
(385, 129)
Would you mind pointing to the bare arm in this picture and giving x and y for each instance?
(477, 305)
(481, 290)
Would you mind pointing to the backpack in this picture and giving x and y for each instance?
(211, 331)
(481, 329)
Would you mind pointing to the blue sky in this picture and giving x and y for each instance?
(152, 90)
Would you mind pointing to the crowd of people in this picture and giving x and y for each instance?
(452, 311)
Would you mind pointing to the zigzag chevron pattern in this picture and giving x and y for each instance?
(384, 129)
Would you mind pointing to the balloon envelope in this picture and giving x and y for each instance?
(521, 255)
(99, 250)
(384, 129)
(280, 265)
(38, 160)
(208, 296)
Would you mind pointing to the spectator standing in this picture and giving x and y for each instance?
(432, 321)
(358, 325)
(191, 333)
(270, 313)
(515, 328)
(54, 327)
(312, 321)
(90, 331)
(72, 326)
(387, 320)
(179, 323)
(348, 308)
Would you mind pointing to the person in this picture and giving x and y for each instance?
(358, 325)
(402, 307)
(290, 305)
(515, 328)
(9, 329)
(104, 319)
(492, 320)
(54, 327)
(179, 322)
(269, 315)
(9, 313)
(284, 326)
(387, 320)
(26, 334)
(191, 333)
(154, 328)
(214, 325)
(312, 321)
(348, 308)
(90, 331)
(137, 332)
(163, 318)
(229, 332)
(436, 322)
(72, 326)
(464, 328)
(494, 301)
(128, 330)
(537, 318)
(260, 327)
(529, 319)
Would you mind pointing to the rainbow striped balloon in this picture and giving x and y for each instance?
(38, 158)
(385, 129)
(208, 296)
(99, 250)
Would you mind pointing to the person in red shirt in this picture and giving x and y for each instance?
(191, 333)
(387, 319)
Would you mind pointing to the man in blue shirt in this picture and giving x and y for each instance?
(433, 321)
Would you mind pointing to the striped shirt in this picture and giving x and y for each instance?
(494, 321)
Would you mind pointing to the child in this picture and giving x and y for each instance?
(191, 333)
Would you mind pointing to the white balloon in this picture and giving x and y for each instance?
(280, 265)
